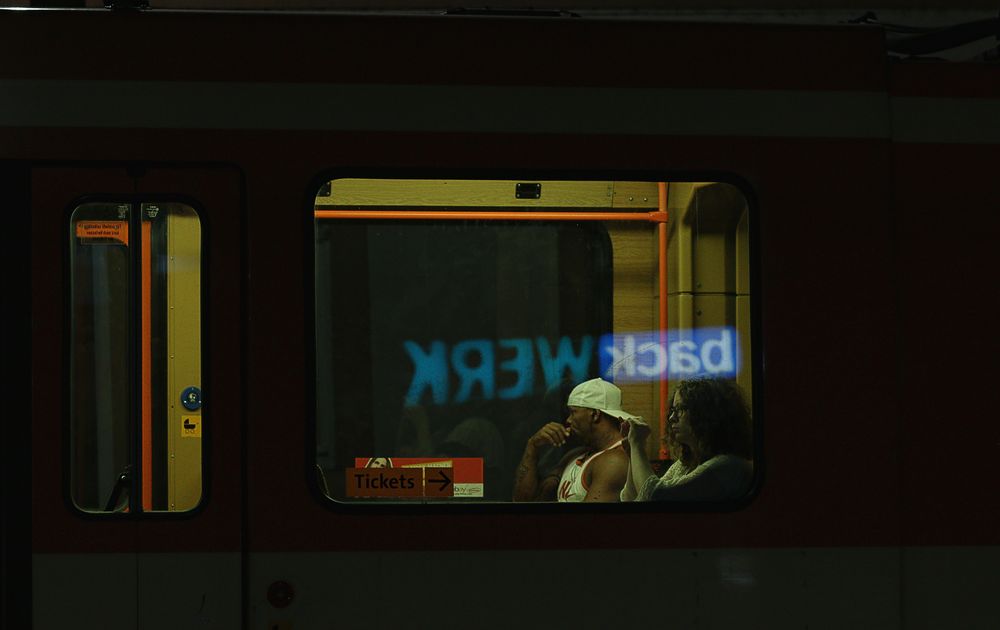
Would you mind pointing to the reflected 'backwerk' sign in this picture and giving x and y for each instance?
(475, 364)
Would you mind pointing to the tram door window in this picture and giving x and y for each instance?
(135, 413)
(452, 317)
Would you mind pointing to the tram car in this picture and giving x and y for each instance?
(287, 293)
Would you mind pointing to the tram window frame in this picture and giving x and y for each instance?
(317, 478)
(131, 505)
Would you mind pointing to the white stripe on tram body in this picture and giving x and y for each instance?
(946, 120)
(492, 109)
(151, 591)
(433, 108)
(882, 588)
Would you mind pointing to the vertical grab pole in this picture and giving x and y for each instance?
(665, 374)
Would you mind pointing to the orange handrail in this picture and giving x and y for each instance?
(485, 215)
(665, 376)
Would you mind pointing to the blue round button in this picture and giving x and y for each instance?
(191, 398)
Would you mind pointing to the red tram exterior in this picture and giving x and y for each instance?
(876, 199)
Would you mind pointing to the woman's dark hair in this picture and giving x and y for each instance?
(719, 416)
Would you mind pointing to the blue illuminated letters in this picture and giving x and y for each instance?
(522, 364)
(630, 357)
(473, 362)
(627, 357)
(553, 366)
(430, 371)
(469, 375)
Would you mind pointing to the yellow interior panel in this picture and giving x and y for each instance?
(634, 248)
(185, 430)
(488, 193)
(709, 264)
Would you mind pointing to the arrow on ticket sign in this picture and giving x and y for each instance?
(442, 479)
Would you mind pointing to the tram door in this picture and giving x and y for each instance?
(136, 371)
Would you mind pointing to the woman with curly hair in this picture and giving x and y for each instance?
(708, 431)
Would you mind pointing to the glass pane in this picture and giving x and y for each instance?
(99, 355)
(446, 341)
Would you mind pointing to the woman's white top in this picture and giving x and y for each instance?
(721, 478)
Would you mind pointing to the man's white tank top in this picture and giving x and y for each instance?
(571, 485)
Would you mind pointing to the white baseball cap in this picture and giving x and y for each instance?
(601, 395)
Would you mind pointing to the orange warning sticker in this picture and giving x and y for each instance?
(97, 232)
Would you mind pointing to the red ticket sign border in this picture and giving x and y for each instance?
(467, 469)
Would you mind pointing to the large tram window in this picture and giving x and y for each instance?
(135, 357)
(453, 317)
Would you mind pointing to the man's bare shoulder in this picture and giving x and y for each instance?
(611, 460)
(607, 474)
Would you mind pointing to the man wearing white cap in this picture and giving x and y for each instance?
(594, 472)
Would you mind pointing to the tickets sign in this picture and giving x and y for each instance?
(415, 477)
